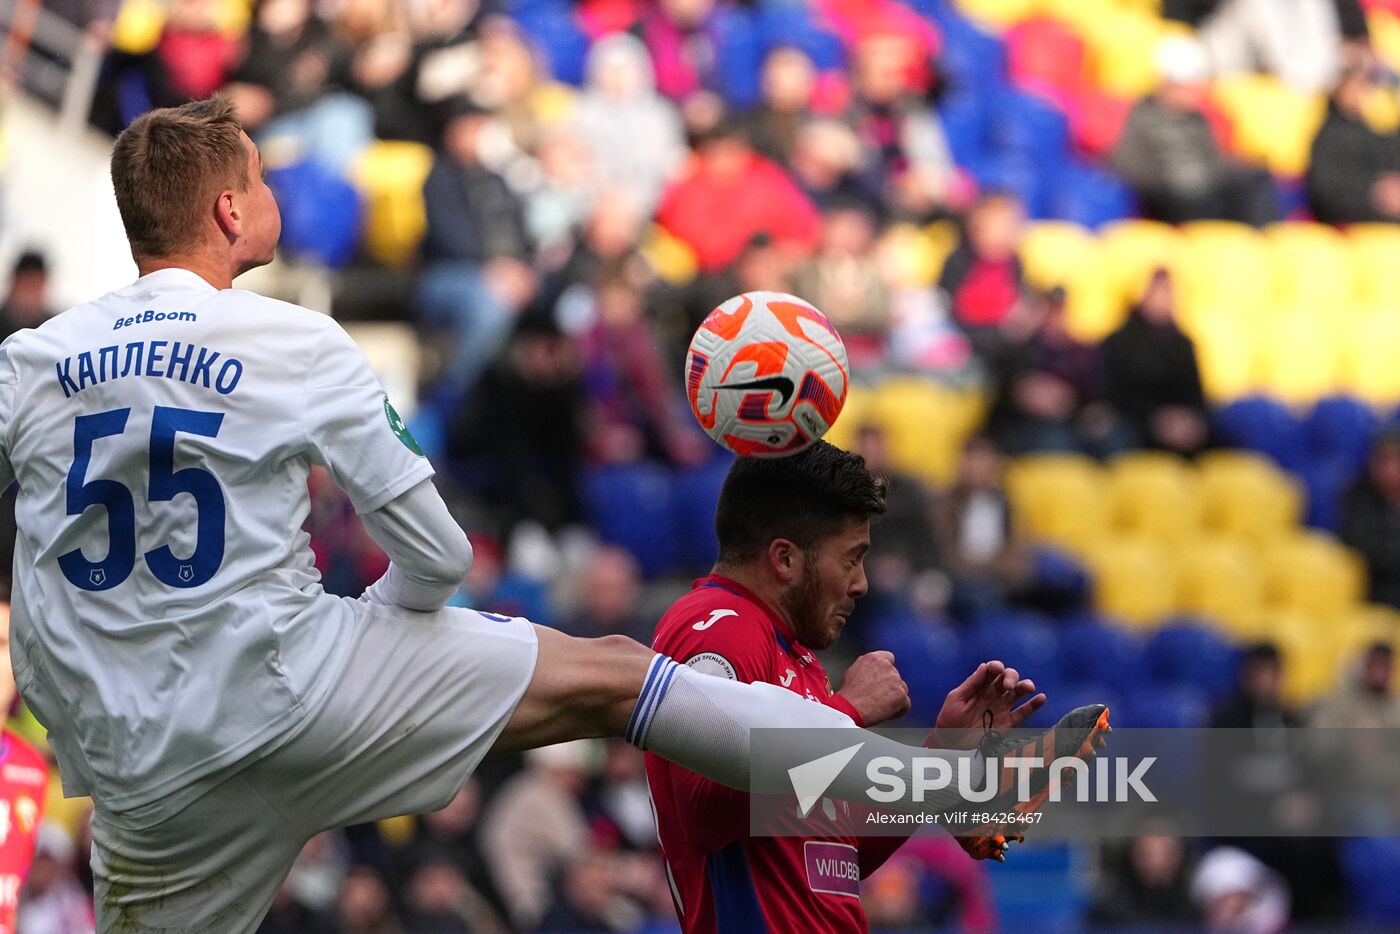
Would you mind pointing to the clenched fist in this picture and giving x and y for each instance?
(875, 689)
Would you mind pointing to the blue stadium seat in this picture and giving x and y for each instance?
(1091, 650)
(1082, 693)
(970, 57)
(964, 116)
(693, 499)
(1027, 124)
(1166, 706)
(1191, 654)
(928, 655)
(1264, 425)
(1371, 866)
(1025, 641)
(796, 24)
(1326, 480)
(1039, 890)
(1340, 427)
(1090, 195)
(630, 506)
(320, 213)
(553, 29)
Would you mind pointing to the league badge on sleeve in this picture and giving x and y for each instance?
(396, 424)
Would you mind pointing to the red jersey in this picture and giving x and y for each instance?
(24, 781)
(723, 881)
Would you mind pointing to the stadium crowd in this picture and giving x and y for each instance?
(552, 195)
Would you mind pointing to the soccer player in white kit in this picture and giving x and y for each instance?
(169, 628)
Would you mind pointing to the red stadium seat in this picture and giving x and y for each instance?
(1043, 55)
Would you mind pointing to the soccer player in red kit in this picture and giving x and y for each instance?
(24, 781)
(793, 533)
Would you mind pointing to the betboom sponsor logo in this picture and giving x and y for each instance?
(151, 315)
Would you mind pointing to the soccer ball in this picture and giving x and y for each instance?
(766, 374)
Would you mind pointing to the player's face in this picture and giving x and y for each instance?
(262, 219)
(833, 578)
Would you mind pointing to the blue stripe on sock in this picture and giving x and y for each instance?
(652, 671)
(660, 694)
(653, 701)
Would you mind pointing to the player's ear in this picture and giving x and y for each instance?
(785, 559)
(229, 215)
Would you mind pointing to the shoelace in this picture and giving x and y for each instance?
(990, 738)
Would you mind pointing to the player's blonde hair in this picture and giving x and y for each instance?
(169, 166)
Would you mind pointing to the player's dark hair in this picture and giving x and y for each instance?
(805, 498)
(168, 169)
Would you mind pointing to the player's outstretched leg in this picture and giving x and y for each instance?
(616, 687)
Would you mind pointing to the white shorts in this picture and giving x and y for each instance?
(422, 701)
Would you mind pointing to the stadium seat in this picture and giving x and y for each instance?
(1312, 657)
(1272, 124)
(320, 213)
(695, 493)
(996, 15)
(1093, 650)
(854, 415)
(1056, 253)
(1132, 250)
(926, 424)
(1168, 707)
(1123, 46)
(1371, 865)
(1088, 194)
(1340, 427)
(1043, 55)
(1224, 268)
(1375, 256)
(1155, 494)
(1225, 353)
(1135, 579)
(1311, 573)
(1246, 495)
(1263, 425)
(390, 176)
(929, 655)
(913, 257)
(1059, 498)
(1223, 580)
(1312, 269)
(1025, 641)
(1191, 653)
(671, 257)
(1096, 119)
(1299, 358)
(1370, 347)
(630, 506)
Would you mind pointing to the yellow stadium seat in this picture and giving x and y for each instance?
(138, 26)
(1081, 16)
(1060, 498)
(1133, 250)
(1375, 254)
(1224, 267)
(855, 414)
(1222, 579)
(390, 175)
(1155, 495)
(1311, 573)
(1384, 27)
(671, 257)
(926, 424)
(1273, 124)
(1312, 267)
(997, 14)
(1055, 253)
(1312, 659)
(1369, 623)
(1370, 352)
(1245, 494)
(1135, 580)
(1299, 358)
(1123, 49)
(1225, 351)
(914, 258)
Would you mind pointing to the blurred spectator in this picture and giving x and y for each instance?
(1299, 41)
(903, 556)
(364, 906)
(194, 50)
(26, 303)
(1147, 881)
(789, 81)
(1370, 520)
(1258, 701)
(449, 833)
(978, 542)
(633, 135)
(1367, 699)
(523, 431)
(609, 594)
(844, 280)
(892, 897)
(535, 828)
(1154, 380)
(440, 901)
(1238, 894)
(492, 586)
(1170, 156)
(1051, 390)
(476, 249)
(1353, 171)
(983, 277)
(636, 408)
(286, 59)
(703, 46)
(513, 83)
(52, 901)
(591, 899)
(728, 195)
(826, 163)
(899, 132)
(618, 802)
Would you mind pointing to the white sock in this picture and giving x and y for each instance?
(702, 722)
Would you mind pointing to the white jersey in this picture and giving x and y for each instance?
(168, 620)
